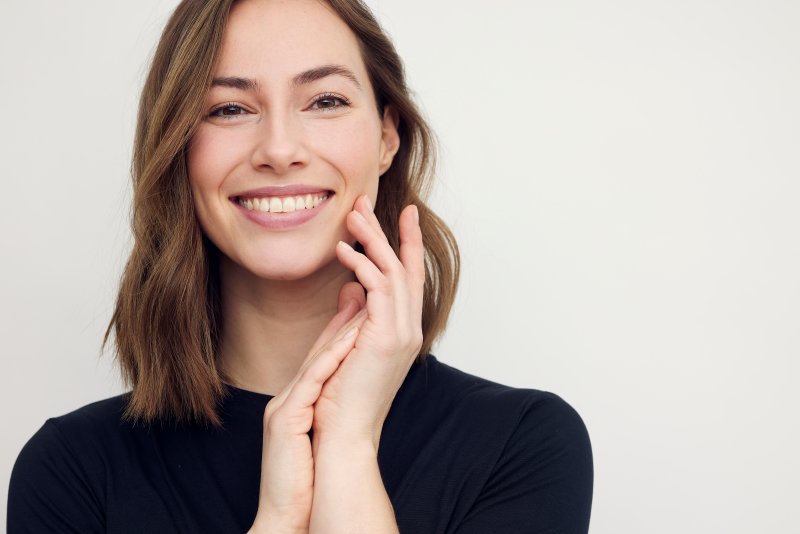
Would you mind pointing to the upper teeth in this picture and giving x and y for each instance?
(284, 204)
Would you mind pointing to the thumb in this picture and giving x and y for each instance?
(352, 291)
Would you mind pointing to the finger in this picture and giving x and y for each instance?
(376, 246)
(306, 390)
(348, 308)
(329, 335)
(381, 298)
(412, 253)
(366, 271)
(364, 206)
(350, 294)
(352, 291)
(357, 320)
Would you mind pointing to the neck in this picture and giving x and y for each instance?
(270, 325)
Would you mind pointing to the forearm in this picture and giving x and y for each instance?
(349, 495)
(266, 526)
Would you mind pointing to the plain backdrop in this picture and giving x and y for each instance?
(623, 178)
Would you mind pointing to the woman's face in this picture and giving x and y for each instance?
(290, 123)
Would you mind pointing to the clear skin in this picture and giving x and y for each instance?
(290, 296)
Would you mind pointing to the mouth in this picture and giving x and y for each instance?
(284, 208)
(283, 203)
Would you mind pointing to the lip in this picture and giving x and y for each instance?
(282, 221)
(280, 191)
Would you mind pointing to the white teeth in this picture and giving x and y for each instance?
(284, 204)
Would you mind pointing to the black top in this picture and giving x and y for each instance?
(458, 454)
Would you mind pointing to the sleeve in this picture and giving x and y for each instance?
(542, 483)
(49, 490)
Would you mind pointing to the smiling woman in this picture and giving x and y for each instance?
(276, 315)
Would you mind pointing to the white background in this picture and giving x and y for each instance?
(623, 178)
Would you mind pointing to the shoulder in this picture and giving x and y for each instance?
(78, 436)
(63, 467)
(83, 425)
(88, 428)
(533, 450)
(527, 406)
(493, 413)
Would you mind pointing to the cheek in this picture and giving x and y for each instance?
(210, 158)
(351, 146)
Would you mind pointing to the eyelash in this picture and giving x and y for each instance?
(217, 110)
(325, 96)
(331, 96)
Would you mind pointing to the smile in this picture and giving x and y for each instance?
(285, 204)
(282, 212)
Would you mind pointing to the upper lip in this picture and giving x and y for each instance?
(281, 190)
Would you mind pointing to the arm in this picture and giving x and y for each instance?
(287, 464)
(349, 495)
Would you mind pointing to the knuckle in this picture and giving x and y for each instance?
(269, 411)
(384, 286)
(272, 424)
(273, 421)
(400, 273)
(314, 373)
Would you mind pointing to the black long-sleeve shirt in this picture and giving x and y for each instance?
(458, 455)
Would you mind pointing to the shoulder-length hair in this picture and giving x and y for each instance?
(167, 320)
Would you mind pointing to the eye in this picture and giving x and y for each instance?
(329, 101)
(228, 110)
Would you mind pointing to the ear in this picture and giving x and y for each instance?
(390, 139)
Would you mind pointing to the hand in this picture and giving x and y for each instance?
(287, 466)
(356, 399)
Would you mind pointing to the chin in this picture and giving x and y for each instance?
(289, 267)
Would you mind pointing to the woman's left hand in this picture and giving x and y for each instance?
(355, 401)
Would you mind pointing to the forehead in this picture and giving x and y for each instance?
(273, 40)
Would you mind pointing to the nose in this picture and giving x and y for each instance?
(278, 145)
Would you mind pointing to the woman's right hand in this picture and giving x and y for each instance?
(287, 464)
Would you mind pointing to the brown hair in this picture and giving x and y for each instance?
(167, 319)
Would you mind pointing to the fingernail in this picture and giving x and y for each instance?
(369, 204)
(349, 334)
(416, 214)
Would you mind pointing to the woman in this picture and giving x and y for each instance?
(276, 314)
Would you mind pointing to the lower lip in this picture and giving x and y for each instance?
(282, 221)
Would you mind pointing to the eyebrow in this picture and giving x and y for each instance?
(305, 77)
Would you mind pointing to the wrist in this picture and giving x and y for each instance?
(267, 530)
(346, 449)
(273, 529)
(272, 525)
